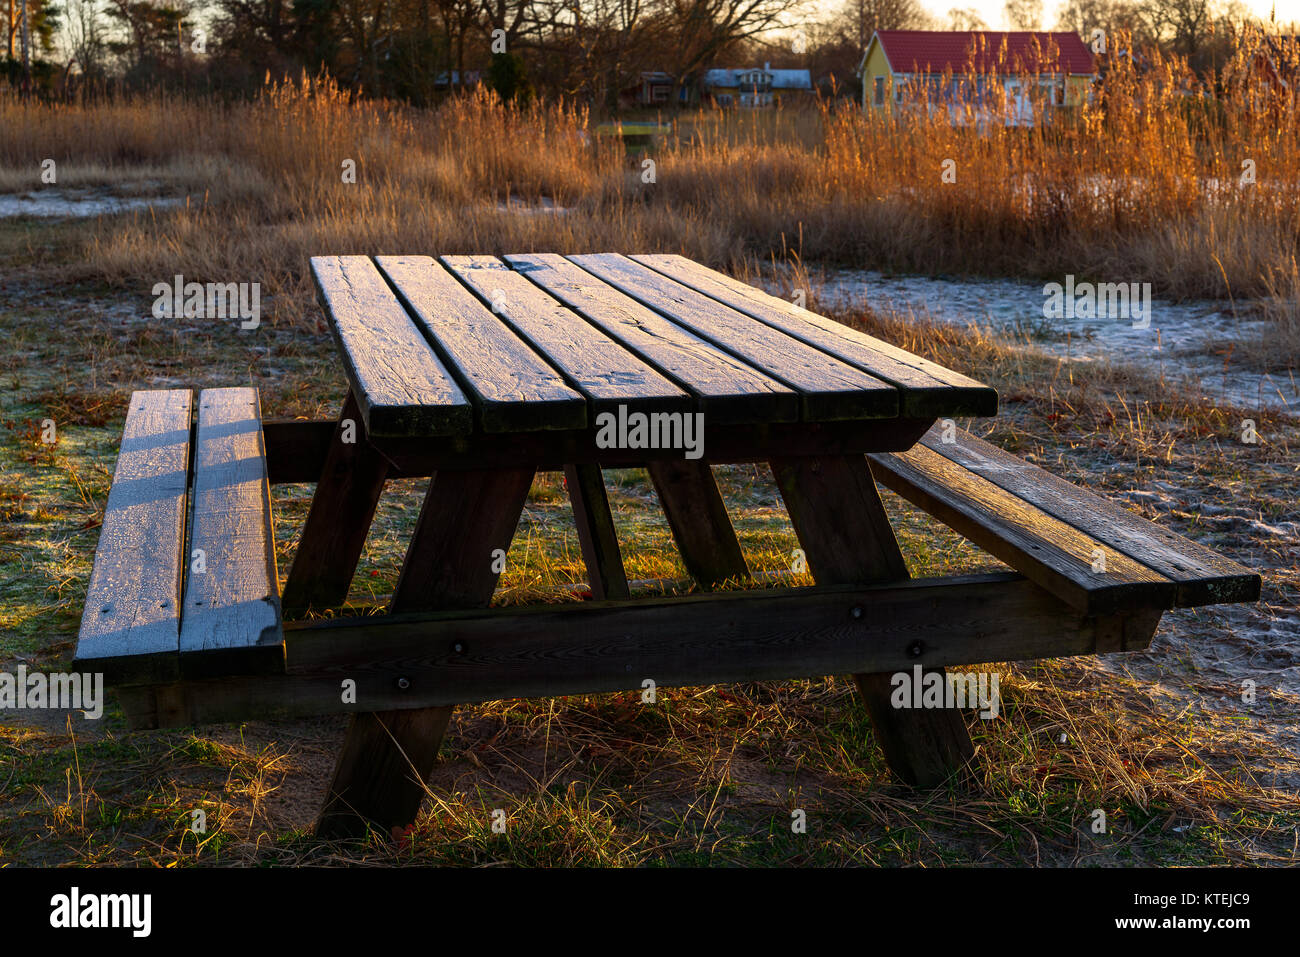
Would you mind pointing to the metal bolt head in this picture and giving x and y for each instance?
(916, 649)
(458, 647)
(857, 611)
(403, 684)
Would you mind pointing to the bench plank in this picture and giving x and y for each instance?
(602, 369)
(130, 627)
(1203, 576)
(231, 619)
(727, 390)
(401, 386)
(1042, 548)
(830, 388)
(927, 388)
(514, 389)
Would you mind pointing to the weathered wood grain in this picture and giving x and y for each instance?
(297, 449)
(402, 387)
(1202, 576)
(1056, 555)
(596, 533)
(514, 389)
(130, 627)
(926, 388)
(727, 390)
(466, 518)
(230, 623)
(699, 521)
(390, 751)
(593, 362)
(846, 537)
(350, 480)
(590, 647)
(856, 549)
(829, 388)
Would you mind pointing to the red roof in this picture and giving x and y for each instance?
(984, 51)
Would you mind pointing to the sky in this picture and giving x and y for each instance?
(1288, 11)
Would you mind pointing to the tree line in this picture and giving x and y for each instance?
(588, 50)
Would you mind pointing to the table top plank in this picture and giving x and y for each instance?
(402, 387)
(514, 389)
(597, 365)
(830, 389)
(727, 390)
(927, 388)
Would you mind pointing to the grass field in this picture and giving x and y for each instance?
(1161, 741)
(1184, 772)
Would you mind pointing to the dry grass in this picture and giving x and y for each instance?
(707, 775)
(1144, 189)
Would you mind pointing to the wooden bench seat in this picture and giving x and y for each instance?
(184, 583)
(1092, 553)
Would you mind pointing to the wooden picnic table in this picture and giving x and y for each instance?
(511, 363)
(479, 372)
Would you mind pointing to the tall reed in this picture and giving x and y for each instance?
(1145, 184)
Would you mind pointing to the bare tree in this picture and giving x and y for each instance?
(704, 30)
(1024, 14)
(1182, 24)
(1084, 16)
(862, 18)
(617, 45)
(84, 36)
(27, 50)
(967, 18)
(1110, 16)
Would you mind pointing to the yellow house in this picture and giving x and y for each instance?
(1038, 72)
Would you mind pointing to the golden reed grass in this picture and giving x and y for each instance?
(1145, 185)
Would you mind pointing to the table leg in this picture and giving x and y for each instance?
(388, 755)
(847, 539)
(596, 533)
(339, 519)
(699, 520)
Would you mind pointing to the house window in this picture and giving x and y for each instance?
(898, 92)
(880, 91)
(659, 93)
